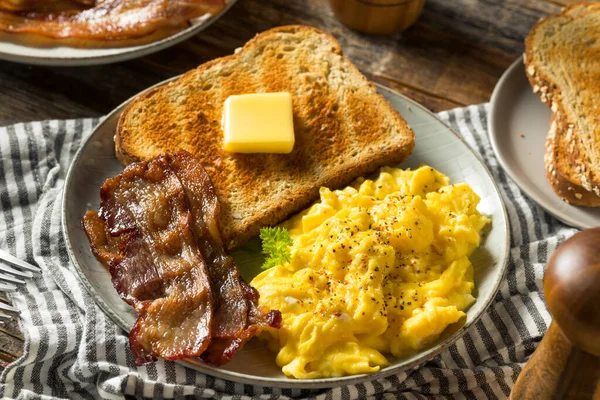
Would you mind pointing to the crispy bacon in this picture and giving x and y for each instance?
(220, 351)
(157, 231)
(108, 19)
(231, 307)
(44, 5)
(236, 316)
(129, 260)
(159, 268)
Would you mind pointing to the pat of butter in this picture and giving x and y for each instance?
(259, 123)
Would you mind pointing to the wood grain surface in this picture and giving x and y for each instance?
(453, 56)
(558, 370)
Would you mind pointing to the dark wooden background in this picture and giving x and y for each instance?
(452, 57)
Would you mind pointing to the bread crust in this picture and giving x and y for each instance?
(570, 175)
(568, 190)
(292, 181)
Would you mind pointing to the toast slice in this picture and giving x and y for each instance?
(556, 158)
(562, 61)
(343, 128)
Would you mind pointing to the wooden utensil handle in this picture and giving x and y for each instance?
(558, 370)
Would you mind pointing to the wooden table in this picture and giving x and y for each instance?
(452, 57)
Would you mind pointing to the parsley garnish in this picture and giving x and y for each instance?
(275, 245)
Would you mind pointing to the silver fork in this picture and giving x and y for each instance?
(12, 270)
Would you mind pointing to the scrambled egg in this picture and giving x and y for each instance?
(377, 268)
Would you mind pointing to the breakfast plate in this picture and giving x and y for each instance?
(518, 125)
(436, 146)
(12, 49)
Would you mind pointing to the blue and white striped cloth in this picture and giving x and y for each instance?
(73, 350)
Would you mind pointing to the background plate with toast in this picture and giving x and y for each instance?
(13, 48)
(518, 125)
(436, 145)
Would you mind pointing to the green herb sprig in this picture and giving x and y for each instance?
(276, 244)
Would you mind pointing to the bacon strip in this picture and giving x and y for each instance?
(110, 19)
(43, 5)
(231, 309)
(157, 229)
(236, 314)
(159, 269)
(130, 262)
(222, 350)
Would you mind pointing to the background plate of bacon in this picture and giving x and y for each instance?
(92, 32)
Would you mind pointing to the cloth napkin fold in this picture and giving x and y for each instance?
(73, 350)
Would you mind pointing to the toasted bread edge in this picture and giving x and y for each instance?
(565, 182)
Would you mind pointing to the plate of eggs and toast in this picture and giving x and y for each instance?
(274, 218)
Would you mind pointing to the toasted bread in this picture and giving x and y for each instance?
(343, 128)
(562, 61)
(556, 157)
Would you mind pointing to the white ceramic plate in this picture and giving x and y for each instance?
(518, 125)
(64, 56)
(436, 146)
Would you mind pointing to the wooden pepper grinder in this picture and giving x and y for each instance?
(566, 364)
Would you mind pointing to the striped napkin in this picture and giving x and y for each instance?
(73, 350)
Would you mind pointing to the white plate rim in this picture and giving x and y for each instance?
(114, 54)
(300, 383)
(545, 203)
